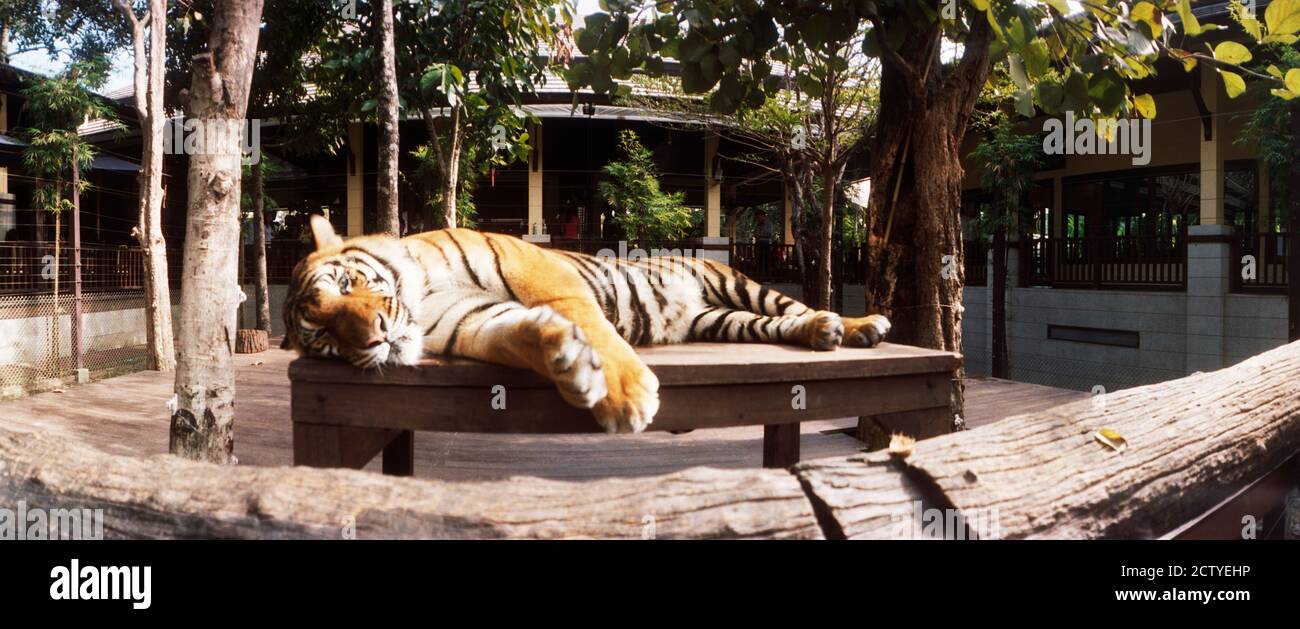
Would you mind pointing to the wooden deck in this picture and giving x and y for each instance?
(128, 415)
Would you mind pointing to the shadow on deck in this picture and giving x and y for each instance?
(128, 416)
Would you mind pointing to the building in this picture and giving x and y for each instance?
(1133, 272)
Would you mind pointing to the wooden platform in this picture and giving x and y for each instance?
(127, 415)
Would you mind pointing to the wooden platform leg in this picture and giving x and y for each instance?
(399, 455)
(780, 445)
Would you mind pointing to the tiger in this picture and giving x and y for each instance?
(379, 301)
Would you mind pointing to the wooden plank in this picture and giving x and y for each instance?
(543, 411)
(687, 364)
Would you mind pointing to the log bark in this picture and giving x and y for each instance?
(167, 497)
(202, 424)
(251, 342)
(1191, 443)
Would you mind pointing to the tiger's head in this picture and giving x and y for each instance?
(346, 300)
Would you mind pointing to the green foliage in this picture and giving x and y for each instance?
(631, 188)
(1009, 160)
(1268, 128)
(56, 107)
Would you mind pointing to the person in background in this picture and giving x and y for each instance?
(572, 227)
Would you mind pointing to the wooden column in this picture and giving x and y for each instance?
(4, 127)
(712, 188)
(536, 188)
(356, 179)
(1212, 153)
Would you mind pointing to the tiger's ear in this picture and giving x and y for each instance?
(323, 232)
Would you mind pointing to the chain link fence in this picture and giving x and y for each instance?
(39, 339)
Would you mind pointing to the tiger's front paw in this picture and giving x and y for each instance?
(569, 360)
(633, 398)
(866, 331)
(825, 331)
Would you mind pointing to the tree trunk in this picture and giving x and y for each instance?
(916, 275)
(451, 178)
(386, 193)
(826, 240)
(202, 425)
(150, 63)
(261, 292)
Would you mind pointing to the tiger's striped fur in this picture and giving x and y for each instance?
(378, 301)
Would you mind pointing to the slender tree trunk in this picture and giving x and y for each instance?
(389, 219)
(150, 63)
(76, 265)
(202, 425)
(261, 292)
(826, 238)
(451, 178)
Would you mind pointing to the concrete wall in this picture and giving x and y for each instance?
(110, 322)
(1253, 324)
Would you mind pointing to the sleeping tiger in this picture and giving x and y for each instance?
(377, 301)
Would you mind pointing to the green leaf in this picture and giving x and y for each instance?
(1233, 83)
(1018, 75)
(1146, 105)
(1293, 80)
(1231, 52)
(1145, 13)
(1037, 58)
(1283, 17)
(1190, 25)
(1284, 94)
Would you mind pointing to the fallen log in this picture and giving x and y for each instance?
(1190, 443)
(169, 497)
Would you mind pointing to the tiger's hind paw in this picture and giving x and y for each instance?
(866, 331)
(825, 331)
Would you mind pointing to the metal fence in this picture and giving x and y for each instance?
(42, 344)
(33, 268)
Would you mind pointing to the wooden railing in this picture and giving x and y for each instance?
(29, 267)
(1137, 262)
(1269, 251)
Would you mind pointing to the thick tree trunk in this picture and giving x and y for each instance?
(202, 425)
(916, 274)
(389, 142)
(261, 292)
(150, 63)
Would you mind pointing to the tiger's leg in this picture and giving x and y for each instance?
(478, 325)
(753, 312)
(537, 278)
